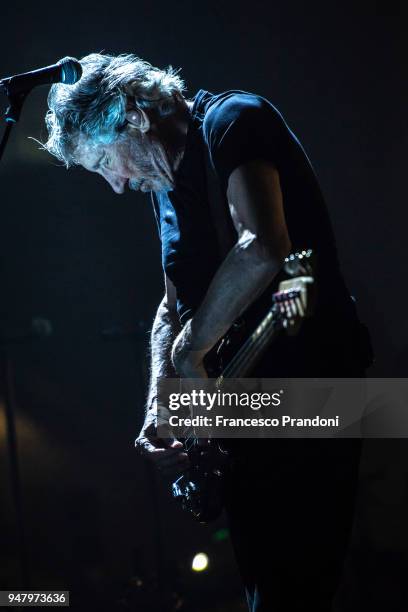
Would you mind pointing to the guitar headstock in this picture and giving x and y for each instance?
(294, 299)
(300, 263)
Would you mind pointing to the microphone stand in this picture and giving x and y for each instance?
(12, 114)
(7, 382)
(39, 328)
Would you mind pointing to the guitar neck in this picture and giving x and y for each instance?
(291, 303)
(251, 351)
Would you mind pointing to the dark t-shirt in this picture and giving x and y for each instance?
(233, 128)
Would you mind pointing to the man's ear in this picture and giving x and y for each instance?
(137, 118)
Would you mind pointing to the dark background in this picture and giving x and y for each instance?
(75, 253)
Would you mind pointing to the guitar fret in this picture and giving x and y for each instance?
(261, 328)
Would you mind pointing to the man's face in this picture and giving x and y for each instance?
(139, 160)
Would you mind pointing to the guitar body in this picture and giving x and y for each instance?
(201, 490)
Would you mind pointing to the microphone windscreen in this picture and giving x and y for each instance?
(71, 70)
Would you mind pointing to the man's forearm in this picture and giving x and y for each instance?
(165, 328)
(242, 277)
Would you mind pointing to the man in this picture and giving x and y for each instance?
(130, 123)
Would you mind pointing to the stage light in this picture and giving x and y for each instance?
(200, 562)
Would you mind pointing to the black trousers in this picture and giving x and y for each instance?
(290, 502)
(290, 506)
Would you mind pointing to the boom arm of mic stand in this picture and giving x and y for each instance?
(12, 114)
(6, 136)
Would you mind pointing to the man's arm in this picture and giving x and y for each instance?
(165, 328)
(167, 452)
(256, 204)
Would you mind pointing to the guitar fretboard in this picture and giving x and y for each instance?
(253, 348)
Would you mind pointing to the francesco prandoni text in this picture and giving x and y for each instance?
(222, 421)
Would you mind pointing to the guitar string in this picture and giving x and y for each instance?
(253, 352)
(248, 359)
(251, 346)
(247, 346)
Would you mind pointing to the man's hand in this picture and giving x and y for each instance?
(188, 359)
(165, 451)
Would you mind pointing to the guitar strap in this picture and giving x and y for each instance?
(219, 209)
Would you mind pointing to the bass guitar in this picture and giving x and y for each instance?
(200, 489)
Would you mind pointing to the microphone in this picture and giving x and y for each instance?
(68, 71)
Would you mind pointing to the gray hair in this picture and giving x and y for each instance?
(96, 105)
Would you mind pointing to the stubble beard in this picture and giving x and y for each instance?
(156, 164)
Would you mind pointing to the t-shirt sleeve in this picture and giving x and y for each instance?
(241, 128)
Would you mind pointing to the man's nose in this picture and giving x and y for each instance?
(115, 181)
